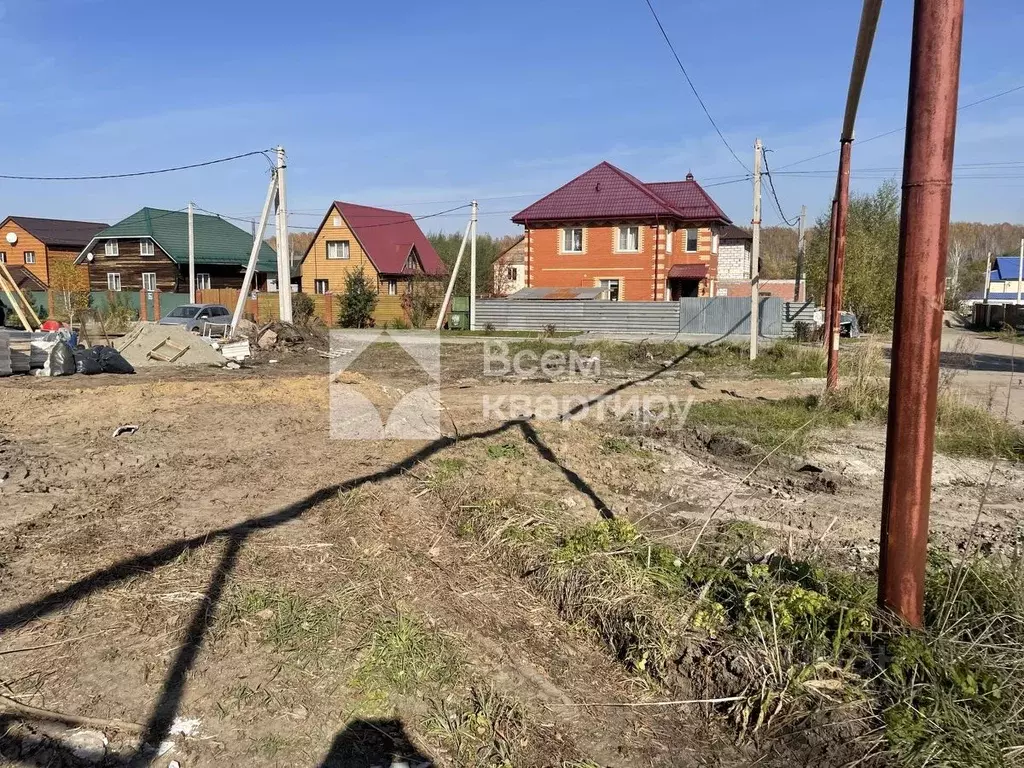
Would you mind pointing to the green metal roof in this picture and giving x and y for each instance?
(216, 241)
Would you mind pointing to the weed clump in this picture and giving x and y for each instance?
(403, 656)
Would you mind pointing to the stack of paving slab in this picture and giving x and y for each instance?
(26, 350)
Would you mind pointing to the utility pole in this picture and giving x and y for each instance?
(841, 208)
(254, 254)
(800, 253)
(284, 263)
(755, 253)
(472, 267)
(1020, 271)
(920, 283)
(191, 256)
(455, 274)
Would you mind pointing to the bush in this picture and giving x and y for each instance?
(358, 302)
(302, 308)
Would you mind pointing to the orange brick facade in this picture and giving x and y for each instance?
(642, 274)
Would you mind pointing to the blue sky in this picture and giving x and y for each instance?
(413, 104)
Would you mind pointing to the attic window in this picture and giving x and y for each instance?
(110, 248)
(410, 263)
(336, 221)
(146, 248)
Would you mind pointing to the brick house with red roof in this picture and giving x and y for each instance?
(639, 241)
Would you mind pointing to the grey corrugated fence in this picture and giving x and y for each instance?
(711, 316)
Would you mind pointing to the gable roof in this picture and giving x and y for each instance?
(607, 192)
(514, 254)
(216, 241)
(58, 231)
(1006, 268)
(388, 237)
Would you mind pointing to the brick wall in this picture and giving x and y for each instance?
(641, 274)
(734, 261)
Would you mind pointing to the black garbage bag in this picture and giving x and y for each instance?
(87, 361)
(112, 362)
(62, 360)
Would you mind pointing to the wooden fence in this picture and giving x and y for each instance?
(326, 306)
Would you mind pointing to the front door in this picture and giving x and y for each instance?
(683, 288)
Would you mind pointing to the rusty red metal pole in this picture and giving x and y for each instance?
(920, 282)
(841, 208)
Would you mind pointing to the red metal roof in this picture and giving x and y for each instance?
(607, 192)
(388, 238)
(689, 271)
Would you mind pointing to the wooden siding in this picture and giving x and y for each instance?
(326, 307)
(16, 253)
(317, 266)
(131, 265)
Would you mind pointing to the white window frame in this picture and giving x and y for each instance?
(149, 281)
(202, 281)
(343, 250)
(110, 248)
(114, 281)
(3, 257)
(512, 274)
(336, 221)
(321, 282)
(696, 240)
(392, 287)
(622, 233)
(563, 235)
(670, 229)
(29, 257)
(610, 280)
(146, 247)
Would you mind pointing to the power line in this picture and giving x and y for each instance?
(135, 173)
(771, 186)
(903, 128)
(693, 88)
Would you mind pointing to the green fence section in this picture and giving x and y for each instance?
(170, 301)
(101, 300)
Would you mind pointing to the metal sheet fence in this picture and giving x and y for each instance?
(610, 316)
(708, 316)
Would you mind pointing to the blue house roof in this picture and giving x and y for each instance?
(1006, 268)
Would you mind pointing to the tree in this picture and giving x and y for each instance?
(71, 287)
(358, 302)
(488, 248)
(956, 257)
(872, 247)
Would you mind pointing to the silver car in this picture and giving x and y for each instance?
(199, 317)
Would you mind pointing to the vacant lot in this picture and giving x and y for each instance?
(230, 586)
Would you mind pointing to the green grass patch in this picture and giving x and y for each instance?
(505, 451)
(403, 656)
(293, 624)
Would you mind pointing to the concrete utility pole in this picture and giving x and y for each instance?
(920, 284)
(1020, 271)
(755, 252)
(472, 267)
(284, 263)
(800, 253)
(451, 280)
(254, 254)
(191, 256)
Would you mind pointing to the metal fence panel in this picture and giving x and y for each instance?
(797, 312)
(723, 315)
(610, 316)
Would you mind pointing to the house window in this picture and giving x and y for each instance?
(337, 249)
(411, 263)
(3, 257)
(337, 221)
(30, 257)
(149, 281)
(691, 240)
(392, 287)
(512, 274)
(670, 230)
(629, 239)
(113, 281)
(110, 248)
(146, 248)
(321, 286)
(202, 281)
(714, 243)
(611, 289)
(572, 240)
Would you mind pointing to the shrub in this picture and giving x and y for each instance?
(358, 302)
(302, 308)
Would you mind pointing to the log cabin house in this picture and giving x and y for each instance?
(149, 251)
(33, 249)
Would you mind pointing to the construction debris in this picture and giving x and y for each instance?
(236, 350)
(149, 344)
(268, 340)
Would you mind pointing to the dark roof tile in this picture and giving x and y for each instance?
(388, 238)
(59, 231)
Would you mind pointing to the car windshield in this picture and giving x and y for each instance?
(188, 310)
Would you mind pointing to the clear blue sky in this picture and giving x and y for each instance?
(413, 104)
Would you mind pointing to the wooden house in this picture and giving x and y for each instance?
(34, 248)
(149, 251)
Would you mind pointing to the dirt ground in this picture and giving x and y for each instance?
(247, 590)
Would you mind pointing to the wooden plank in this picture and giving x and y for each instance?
(13, 302)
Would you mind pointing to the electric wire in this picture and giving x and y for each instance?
(136, 173)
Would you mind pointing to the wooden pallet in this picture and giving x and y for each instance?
(166, 352)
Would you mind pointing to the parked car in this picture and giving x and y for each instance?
(197, 317)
